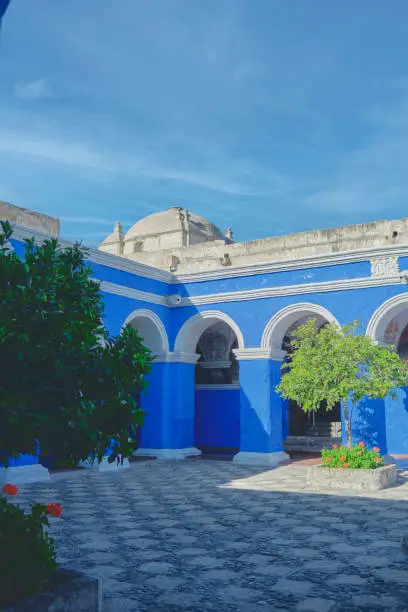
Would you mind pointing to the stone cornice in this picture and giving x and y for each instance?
(314, 261)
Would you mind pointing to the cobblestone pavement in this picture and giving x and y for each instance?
(211, 535)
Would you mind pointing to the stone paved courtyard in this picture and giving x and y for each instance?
(211, 535)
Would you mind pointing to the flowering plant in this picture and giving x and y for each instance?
(356, 457)
(27, 553)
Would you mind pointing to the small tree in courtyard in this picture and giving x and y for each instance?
(65, 384)
(333, 365)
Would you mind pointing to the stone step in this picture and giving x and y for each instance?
(309, 443)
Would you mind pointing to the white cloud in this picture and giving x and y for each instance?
(32, 90)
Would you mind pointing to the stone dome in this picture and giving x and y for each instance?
(171, 228)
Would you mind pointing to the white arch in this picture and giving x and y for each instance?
(190, 333)
(151, 329)
(278, 325)
(389, 309)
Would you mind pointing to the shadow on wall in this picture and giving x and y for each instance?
(368, 424)
(382, 423)
(396, 418)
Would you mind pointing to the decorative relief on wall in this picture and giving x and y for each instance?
(384, 267)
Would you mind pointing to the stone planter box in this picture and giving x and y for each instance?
(69, 591)
(346, 478)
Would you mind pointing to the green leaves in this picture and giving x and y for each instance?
(358, 457)
(63, 380)
(339, 365)
(27, 553)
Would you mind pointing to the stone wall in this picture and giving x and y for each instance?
(28, 218)
(212, 255)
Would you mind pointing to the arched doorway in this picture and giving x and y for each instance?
(303, 431)
(317, 426)
(389, 326)
(217, 395)
(151, 329)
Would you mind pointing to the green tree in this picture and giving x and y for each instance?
(64, 382)
(334, 365)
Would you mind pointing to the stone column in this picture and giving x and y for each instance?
(169, 402)
(261, 407)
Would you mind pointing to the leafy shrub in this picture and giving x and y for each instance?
(357, 457)
(65, 383)
(27, 554)
(329, 365)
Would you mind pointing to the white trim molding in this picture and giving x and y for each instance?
(190, 333)
(252, 294)
(266, 459)
(278, 325)
(134, 294)
(286, 290)
(22, 474)
(98, 257)
(175, 454)
(144, 313)
(384, 314)
(252, 354)
(177, 357)
(231, 387)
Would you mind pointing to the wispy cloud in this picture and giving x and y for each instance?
(32, 90)
(236, 177)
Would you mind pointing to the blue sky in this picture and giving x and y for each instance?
(272, 116)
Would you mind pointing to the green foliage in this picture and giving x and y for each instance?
(339, 365)
(63, 381)
(27, 554)
(357, 457)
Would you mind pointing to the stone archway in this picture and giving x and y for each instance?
(302, 431)
(389, 325)
(389, 320)
(214, 336)
(151, 329)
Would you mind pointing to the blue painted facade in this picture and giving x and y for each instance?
(251, 416)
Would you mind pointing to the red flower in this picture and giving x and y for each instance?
(345, 465)
(361, 444)
(377, 460)
(359, 452)
(54, 510)
(9, 489)
(328, 458)
(342, 458)
(376, 449)
(335, 446)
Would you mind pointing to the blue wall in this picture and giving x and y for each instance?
(179, 416)
(275, 279)
(217, 418)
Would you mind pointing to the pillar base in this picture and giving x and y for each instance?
(24, 474)
(167, 453)
(266, 459)
(104, 465)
